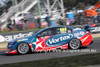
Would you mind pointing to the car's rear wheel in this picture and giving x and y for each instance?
(23, 48)
(74, 44)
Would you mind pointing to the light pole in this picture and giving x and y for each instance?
(13, 3)
(16, 2)
(62, 5)
(39, 8)
(49, 8)
(13, 10)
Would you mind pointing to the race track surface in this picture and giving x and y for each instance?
(93, 48)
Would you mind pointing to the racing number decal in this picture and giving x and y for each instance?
(63, 30)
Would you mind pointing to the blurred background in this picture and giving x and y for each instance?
(17, 16)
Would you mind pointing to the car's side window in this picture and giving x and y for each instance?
(47, 32)
(62, 30)
(69, 30)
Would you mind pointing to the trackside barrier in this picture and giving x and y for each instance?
(15, 35)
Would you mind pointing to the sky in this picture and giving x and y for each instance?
(1, 0)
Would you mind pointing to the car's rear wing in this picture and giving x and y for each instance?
(89, 27)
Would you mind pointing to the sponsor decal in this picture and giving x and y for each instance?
(22, 40)
(8, 38)
(36, 43)
(17, 40)
(96, 29)
(2, 39)
(43, 23)
(78, 35)
(51, 41)
(84, 39)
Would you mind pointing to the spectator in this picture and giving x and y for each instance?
(93, 19)
(48, 20)
(25, 22)
(63, 21)
(18, 24)
(60, 22)
(78, 20)
(81, 20)
(98, 18)
(39, 22)
(0, 26)
(85, 20)
(89, 21)
(9, 25)
(67, 22)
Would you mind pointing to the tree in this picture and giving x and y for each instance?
(78, 3)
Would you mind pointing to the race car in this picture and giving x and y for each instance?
(52, 38)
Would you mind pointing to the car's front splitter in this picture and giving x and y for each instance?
(12, 52)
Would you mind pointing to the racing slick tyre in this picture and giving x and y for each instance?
(74, 44)
(23, 48)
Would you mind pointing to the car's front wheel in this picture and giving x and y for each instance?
(23, 48)
(74, 44)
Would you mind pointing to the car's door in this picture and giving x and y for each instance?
(39, 42)
(61, 37)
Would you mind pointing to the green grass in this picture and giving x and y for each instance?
(4, 32)
(72, 61)
(3, 48)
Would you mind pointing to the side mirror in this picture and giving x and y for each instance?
(38, 36)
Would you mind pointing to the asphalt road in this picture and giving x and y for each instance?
(93, 48)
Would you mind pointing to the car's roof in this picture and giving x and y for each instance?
(60, 26)
(55, 27)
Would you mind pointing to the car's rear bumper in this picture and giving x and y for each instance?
(86, 40)
(91, 42)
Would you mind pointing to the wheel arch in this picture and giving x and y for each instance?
(26, 43)
(77, 39)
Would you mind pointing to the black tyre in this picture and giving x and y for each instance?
(74, 44)
(23, 48)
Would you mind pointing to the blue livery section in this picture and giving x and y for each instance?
(58, 40)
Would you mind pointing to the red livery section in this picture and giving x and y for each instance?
(12, 52)
(41, 46)
(86, 39)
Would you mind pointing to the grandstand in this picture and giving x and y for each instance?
(23, 6)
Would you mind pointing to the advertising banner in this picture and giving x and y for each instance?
(96, 30)
(12, 36)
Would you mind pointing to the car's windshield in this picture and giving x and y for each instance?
(36, 31)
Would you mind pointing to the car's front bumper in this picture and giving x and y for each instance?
(11, 51)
